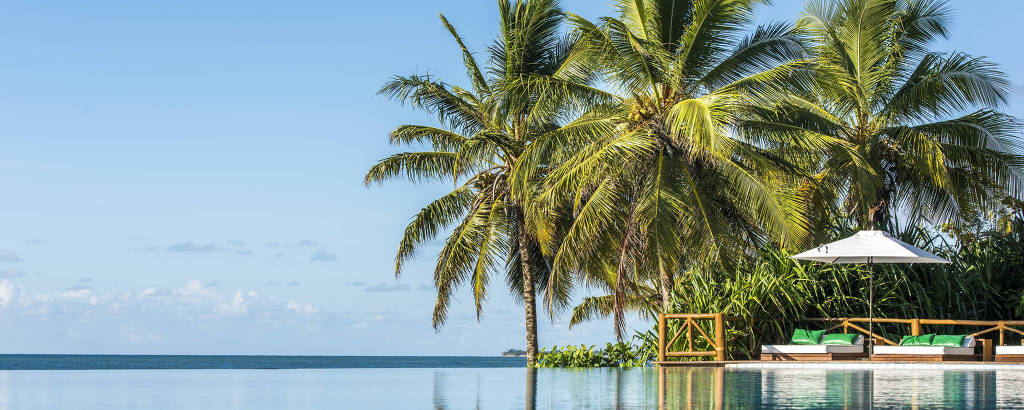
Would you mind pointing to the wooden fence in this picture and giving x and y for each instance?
(989, 326)
(691, 328)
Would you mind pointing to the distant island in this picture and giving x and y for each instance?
(513, 353)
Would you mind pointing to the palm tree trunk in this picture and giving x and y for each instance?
(878, 215)
(666, 288)
(529, 294)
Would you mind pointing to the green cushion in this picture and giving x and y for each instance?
(948, 340)
(806, 337)
(923, 340)
(839, 339)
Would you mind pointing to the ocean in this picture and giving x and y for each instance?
(166, 362)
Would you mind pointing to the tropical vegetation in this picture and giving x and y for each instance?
(636, 353)
(674, 186)
(982, 283)
(672, 155)
(903, 129)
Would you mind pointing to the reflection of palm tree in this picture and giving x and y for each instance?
(618, 388)
(531, 388)
(440, 402)
(478, 391)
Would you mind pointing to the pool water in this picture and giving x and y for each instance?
(508, 388)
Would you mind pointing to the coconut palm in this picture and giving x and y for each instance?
(527, 91)
(905, 128)
(674, 186)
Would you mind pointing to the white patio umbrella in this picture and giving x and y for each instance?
(869, 247)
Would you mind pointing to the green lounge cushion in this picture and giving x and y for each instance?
(839, 339)
(806, 337)
(922, 340)
(948, 340)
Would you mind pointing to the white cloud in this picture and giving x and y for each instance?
(302, 243)
(11, 273)
(7, 292)
(7, 255)
(192, 247)
(323, 255)
(236, 246)
(80, 294)
(194, 301)
(383, 287)
(238, 305)
(300, 308)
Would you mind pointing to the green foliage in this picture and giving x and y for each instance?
(637, 353)
(982, 283)
(898, 128)
(721, 151)
(672, 184)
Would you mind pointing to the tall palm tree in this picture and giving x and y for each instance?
(527, 92)
(903, 128)
(674, 185)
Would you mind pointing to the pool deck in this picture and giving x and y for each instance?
(845, 365)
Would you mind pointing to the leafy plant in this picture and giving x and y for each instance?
(620, 354)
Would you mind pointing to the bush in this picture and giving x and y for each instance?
(637, 354)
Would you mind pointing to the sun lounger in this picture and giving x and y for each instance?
(814, 352)
(965, 352)
(1011, 354)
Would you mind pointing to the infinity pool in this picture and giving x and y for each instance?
(508, 388)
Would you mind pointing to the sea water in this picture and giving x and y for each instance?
(278, 382)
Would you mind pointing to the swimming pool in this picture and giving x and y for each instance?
(509, 388)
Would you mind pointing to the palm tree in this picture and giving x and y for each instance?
(526, 92)
(902, 127)
(674, 186)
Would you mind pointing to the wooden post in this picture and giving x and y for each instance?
(986, 350)
(661, 337)
(1002, 330)
(689, 334)
(915, 327)
(719, 337)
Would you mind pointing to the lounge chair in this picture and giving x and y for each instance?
(1010, 354)
(814, 352)
(927, 352)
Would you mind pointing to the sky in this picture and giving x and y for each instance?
(186, 177)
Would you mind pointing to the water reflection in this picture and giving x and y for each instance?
(465, 388)
(531, 389)
(718, 388)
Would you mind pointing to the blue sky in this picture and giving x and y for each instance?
(185, 177)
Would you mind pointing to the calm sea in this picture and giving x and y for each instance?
(153, 362)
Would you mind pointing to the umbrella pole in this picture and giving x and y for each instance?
(871, 309)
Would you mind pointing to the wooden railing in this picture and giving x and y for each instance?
(1002, 326)
(692, 328)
